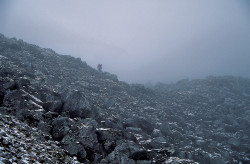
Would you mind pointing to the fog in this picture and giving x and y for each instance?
(139, 40)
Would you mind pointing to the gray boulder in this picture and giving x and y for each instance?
(76, 103)
(81, 140)
(234, 142)
(159, 142)
(76, 149)
(122, 152)
(10, 85)
(139, 122)
(165, 129)
(54, 106)
(61, 127)
(24, 106)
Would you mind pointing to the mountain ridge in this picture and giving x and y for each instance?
(99, 119)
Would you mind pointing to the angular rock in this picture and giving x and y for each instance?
(11, 85)
(53, 106)
(165, 129)
(76, 103)
(122, 152)
(44, 127)
(140, 122)
(159, 142)
(76, 149)
(234, 142)
(60, 127)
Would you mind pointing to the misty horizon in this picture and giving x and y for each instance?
(139, 41)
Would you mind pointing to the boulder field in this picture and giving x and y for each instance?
(57, 109)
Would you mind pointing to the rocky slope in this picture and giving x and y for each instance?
(91, 117)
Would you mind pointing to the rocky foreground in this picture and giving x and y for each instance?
(56, 109)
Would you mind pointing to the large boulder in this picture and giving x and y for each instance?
(159, 142)
(24, 106)
(52, 100)
(104, 134)
(139, 122)
(76, 103)
(44, 127)
(61, 127)
(76, 149)
(10, 85)
(54, 106)
(15, 100)
(108, 137)
(165, 128)
(123, 153)
(81, 140)
(234, 142)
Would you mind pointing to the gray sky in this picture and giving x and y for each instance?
(139, 40)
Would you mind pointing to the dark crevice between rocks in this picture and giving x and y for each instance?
(1, 98)
(31, 120)
(141, 155)
(60, 109)
(59, 139)
(90, 154)
(100, 137)
(158, 156)
(15, 87)
(79, 158)
(75, 113)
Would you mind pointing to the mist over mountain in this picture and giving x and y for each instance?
(139, 41)
(57, 109)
